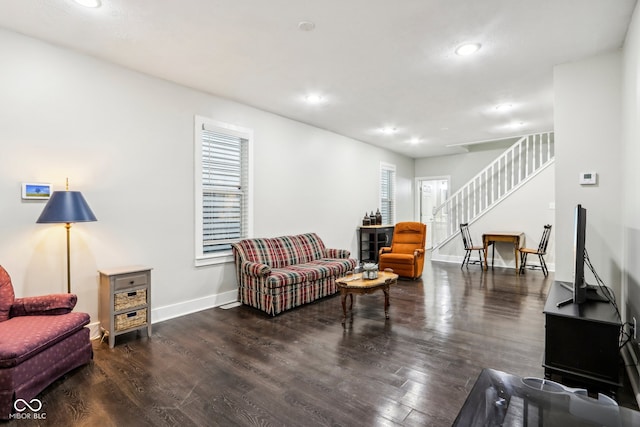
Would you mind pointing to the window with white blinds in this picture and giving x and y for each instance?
(388, 193)
(222, 188)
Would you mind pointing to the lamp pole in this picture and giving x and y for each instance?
(68, 227)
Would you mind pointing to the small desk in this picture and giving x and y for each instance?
(356, 285)
(515, 237)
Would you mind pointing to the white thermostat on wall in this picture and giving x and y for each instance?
(588, 178)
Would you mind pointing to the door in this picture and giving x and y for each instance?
(432, 192)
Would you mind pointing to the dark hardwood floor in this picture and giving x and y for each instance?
(302, 368)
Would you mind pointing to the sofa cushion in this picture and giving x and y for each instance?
(260, 251)
(6, 294)
(398, 258)
(22, 337)
(408, 236)
(301, 248)
(309, 272)
(281, 252)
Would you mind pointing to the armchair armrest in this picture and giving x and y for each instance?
(44, 305)
(418, 252)
(384, 250)
(337, 253)
(254, 268)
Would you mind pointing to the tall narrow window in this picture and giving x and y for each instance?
(223, 199)
(388, 193)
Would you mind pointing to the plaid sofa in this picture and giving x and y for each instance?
(276, 274)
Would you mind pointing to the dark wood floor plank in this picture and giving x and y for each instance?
(239, 367)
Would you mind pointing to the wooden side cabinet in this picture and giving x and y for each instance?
(125, 301)
(370, 239)
(581, 341)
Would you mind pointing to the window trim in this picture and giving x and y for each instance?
(390, 168)
(202, 259)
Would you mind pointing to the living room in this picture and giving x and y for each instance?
(119, 135)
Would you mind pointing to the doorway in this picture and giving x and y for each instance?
(431, 193)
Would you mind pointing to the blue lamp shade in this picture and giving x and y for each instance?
(66, 206)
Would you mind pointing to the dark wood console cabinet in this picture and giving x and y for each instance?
(370, 239)
(581, 341)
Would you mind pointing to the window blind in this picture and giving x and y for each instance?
(224, 190)
(387, 193)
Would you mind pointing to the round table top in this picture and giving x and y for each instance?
(356, 280)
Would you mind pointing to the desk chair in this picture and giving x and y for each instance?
(469, 247)
(540, 251)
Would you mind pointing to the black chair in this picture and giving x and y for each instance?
(541, 251)
(468, 247)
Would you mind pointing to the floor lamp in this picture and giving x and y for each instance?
(66, 207)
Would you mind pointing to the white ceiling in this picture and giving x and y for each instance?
(375, 62)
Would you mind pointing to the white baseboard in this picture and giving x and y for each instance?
(160, 314)
(167, 312)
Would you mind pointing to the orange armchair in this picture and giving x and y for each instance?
(406, 254)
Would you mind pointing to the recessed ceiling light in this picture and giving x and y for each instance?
(515, 125)
(467, 49)
(89, 3)
(388, 130)
(314, 98)
(306, 26)
(503, 107)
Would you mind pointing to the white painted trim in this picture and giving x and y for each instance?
(199, 122)
(416, 192)
(160, 314)
(225, 258)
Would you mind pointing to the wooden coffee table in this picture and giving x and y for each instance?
(357, 285)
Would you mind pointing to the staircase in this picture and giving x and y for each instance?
(512, 169)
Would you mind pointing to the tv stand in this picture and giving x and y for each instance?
(581, 341)
(592, 294)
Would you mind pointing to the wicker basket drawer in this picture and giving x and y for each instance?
(130, 320)
(131, 299)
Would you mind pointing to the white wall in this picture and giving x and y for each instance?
(631, 169)
(126, 141)
(587, 111)
(460, 167)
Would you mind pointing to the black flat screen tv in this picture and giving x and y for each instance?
(579, 236)
(581, 291)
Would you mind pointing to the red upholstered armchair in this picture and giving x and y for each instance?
(41, 339)
(406, 254)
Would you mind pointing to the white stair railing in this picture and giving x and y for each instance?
(514, 167)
